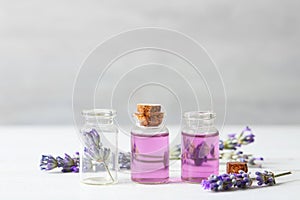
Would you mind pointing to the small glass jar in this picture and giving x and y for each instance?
(199, 146)
(149, 147)
(99, 152)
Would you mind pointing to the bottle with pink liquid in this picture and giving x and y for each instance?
(199, 146)
(149, 146)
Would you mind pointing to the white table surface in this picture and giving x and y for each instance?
(20, 177)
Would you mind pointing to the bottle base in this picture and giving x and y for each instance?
(193, 179)
(98, 181)
(151, 180)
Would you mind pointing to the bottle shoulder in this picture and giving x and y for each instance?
(200, 130)
(149, 130)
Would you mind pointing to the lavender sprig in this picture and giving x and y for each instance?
(124, 160)
(71, 164)
(265, 177)
(94, 151)
(239, 156)
(175, 152)
(234, 141)
(240, 180)
(68, 163)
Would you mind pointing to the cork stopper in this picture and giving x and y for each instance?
(235, 167)
(149, 114)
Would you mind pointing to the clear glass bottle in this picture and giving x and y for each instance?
(99, 152)
(149, 146)
(199, 146)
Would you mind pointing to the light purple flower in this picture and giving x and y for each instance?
(246, 136)
(68, 164)
(91, 138)
(48, 162)
(265, 177)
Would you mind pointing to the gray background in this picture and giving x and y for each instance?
(255, 44)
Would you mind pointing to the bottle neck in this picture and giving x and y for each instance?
(138, 125)
(99, 121)
(199, 123)
(149, 130)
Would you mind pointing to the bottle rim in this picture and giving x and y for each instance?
(199, 115)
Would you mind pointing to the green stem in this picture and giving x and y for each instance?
(106, 167)
(282, 174)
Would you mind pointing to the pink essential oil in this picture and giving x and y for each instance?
(199, 147)
(149, 146)
(200, 156)
(150, 158)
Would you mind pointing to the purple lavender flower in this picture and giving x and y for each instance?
(91, 138)
(230, 143)
(248, 158)
(242, 180)
(233, 140)
(48, 162)
(75, 169)
(265, 177)
(197, 153)
(221, 145)
(231, 135)
(99, 155)
(175, 151)
(219, 183)
(71, 164)
(206, 184)
(124, 160)
(246, 136)
(241, 157)
(227, 181)
(239, 180)
(166, 159)
(93, 149)
(67, 164)
(252, 162)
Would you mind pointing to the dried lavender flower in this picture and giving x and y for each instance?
(99, 155)
(95, 151)
(91, 138)
(242, 179)
(175, 152)
(124, 160)
(68, 164)
(265, 177)
(239, 156)
(246, 137)
(48, 162)
(252, 161)
(239, 180)
(234, 141)
(93, 148)
(197, 153)
(217, 183)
